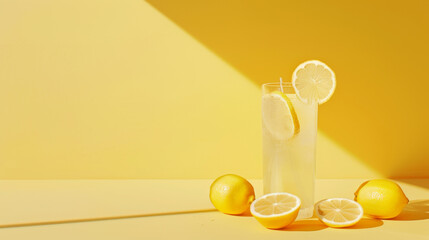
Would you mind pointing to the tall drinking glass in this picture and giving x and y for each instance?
(289, 157)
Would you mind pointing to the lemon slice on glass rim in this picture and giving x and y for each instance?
(313, 81)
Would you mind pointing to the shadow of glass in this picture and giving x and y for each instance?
(415, 210)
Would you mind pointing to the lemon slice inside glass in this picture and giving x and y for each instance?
(279, 116)
(276, 210)
(339, 212)
(313, 81)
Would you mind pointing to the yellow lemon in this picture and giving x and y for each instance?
(231, 194)
(381, 198)
(276, 210)
(339, 212)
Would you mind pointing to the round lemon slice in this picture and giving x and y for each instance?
(339, 212)
(313, 81)
(279, 116)
(276, 210)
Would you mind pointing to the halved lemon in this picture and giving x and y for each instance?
(276, 210)
(279, 116)
(339, 212)
(313, 81)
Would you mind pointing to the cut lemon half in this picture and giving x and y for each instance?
(313, 81)
(276, 210)
(339, 212)
(279, 116)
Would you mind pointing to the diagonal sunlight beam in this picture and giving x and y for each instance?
(371, 54)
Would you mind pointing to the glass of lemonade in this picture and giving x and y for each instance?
(289, 129)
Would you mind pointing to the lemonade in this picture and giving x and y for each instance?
(289, 128)
(289, 163)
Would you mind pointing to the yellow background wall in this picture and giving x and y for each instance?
(171, 89)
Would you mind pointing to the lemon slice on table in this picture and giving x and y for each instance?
(276, 210)
(279, 116)
(339, 212)
(313, 81)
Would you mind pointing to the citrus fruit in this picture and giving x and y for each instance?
(279, 116)
(276, 210)
(338, 212)
(231, 194)
(381, 198)
(313, 81)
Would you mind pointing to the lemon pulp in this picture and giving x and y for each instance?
(339, 212)
(276, 210)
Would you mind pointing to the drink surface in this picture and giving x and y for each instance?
(289, 164)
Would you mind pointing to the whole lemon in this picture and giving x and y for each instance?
(381, 198)
(231, 194)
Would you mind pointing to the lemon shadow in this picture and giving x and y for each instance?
(415, 210)
(247, 213)
(366, 223)
(311, 224)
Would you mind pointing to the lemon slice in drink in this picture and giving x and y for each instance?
(339, 212)
(279, 116)
(313, 81)
(276, 210)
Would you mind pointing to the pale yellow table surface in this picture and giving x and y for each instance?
(177, 209)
